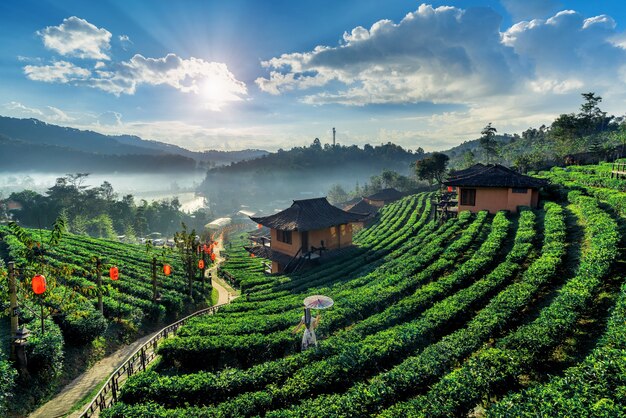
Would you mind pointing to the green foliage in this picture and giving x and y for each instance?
(433, 168)
(82, 324)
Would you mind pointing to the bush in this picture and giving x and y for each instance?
(7, 382)
(83, 324)
(44, 353)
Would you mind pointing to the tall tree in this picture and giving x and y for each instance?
(433, 168)
(488, 142)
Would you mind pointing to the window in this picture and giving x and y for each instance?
(522, 190)
(283, 236)
(333, 231)
(468, 197)
(343, 230)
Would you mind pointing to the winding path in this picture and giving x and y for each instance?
(63, 402)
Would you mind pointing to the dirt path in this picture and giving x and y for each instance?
(226, 293)
(86, 382)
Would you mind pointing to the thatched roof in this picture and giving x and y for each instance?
(386, 194)
(493, 175)
(308, 215)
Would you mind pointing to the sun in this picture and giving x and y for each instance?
(215, 93)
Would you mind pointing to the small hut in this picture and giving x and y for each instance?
(494, 187)
(380, 199)
(304, 231)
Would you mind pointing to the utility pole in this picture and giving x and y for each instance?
(154, 279)
(13, 304)
(334, 132)
(99, 284)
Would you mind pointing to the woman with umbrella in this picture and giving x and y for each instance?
(312, 302)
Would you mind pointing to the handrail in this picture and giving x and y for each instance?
(128, 368)
(286, 269)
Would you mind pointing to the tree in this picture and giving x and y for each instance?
(337, 194)
(433, 168)
(469, 159)
(186, 244)
(488, 141)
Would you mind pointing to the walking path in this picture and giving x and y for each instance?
(60, 405)
(86, 382)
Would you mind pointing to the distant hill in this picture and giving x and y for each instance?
(277, 178)
(28, 140)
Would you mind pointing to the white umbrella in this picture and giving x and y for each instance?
(318, 302)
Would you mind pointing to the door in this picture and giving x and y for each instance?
(304, 236)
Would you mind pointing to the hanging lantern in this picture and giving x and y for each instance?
(259, 226)
(167, 269)
(114, 273)
(212, 256)
(450, 188)
(39, 284)
(201, 264)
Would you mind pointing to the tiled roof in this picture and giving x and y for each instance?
(362, 207)
(493, 175)
(308, 215)
(386, 194)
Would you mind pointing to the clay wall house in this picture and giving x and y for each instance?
(304, 231)
(494, 187)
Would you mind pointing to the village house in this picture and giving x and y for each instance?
(381, 198)
(494, 187)
(308, 230)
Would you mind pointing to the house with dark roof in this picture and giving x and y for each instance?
(362, 207)
(494, 187)
(304, 231)
(380, 199)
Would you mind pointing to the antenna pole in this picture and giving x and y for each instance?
(334, 132)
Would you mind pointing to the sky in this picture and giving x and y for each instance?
(276, 74)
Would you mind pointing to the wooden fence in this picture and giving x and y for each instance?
(618, 170)
(137, 362)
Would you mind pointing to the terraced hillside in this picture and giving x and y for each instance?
(483, 314)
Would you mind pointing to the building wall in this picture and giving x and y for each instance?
(494, 199)
(276, 268)
(289, 249)
(519, 199)
(333, 237)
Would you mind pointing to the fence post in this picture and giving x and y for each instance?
(143, 358)
(114, 389)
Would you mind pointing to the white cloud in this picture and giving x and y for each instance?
(76, 37)
(442, 54)
(47, 114)
(57, 115)
(530, 9)
(59, 72)
(567, 46)
(212, 81)
(110, 118)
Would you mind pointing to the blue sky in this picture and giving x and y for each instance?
(260, 74)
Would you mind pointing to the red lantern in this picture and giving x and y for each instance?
(450, 188)
(252, 255)
(167, 269)
(39, 284)
(259, 226)
(201, 264)
(212, 256)
(114, 273)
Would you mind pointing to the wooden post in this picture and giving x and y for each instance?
(13, 305)
(203, 269)
(99, 284)
(154, 279)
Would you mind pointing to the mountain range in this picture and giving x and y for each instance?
(31, 144)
